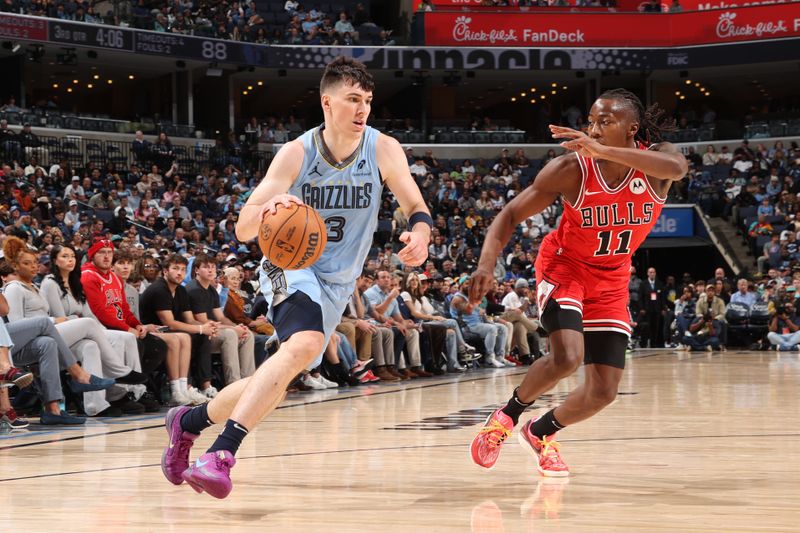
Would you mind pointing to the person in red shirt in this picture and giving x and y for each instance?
(105, 294)
(613, 183)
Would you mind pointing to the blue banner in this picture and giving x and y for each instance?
(674, 222)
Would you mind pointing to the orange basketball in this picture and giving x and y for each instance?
(293, 238)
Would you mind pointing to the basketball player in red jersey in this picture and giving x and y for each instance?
(613, 185)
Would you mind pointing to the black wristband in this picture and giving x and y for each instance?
(420, 216)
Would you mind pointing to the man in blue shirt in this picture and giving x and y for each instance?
(382, 299)
(743, 295)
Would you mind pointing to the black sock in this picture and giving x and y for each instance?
(546, 425)
(196, 420)
(515, 407)
(230, 439)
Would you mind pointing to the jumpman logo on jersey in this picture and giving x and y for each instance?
(315, 170)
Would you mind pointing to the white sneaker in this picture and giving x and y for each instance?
(328, 383)
(312, 382)
(179, 399)
(210, 392)
(492, 361)
(196, 396)
(506, 362)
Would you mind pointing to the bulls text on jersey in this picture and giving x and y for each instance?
(601, 216)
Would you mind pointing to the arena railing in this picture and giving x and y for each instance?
(190, 159)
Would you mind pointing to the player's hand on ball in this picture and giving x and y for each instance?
(480, 282)
(415, 251)
(271, 207)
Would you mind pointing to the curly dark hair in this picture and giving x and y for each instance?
(75, 286)
(652, 124)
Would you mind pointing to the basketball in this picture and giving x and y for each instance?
(293, 238)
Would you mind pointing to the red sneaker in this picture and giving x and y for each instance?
(368, 377)
(14, 376)
(512, 359)
(485, 447)
(546, 451)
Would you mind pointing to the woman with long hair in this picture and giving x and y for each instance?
(24, 302)
(84, 336)
(64, 294)
(422, 309)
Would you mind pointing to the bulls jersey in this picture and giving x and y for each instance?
(105, 294)
(605, 226)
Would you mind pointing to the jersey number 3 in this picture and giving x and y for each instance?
(606, 237)
(335, 228)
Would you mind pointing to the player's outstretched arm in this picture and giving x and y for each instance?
(397, 176)
(561, 175)
(662, 161)
(272, 190)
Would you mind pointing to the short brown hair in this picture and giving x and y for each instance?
(121, 256)
(201, 260)
(174, 259)
(347, 70)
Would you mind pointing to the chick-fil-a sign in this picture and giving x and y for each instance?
(612, 30)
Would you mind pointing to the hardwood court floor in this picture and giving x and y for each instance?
(695, 442)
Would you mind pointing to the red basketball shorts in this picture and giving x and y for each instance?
(599, 295)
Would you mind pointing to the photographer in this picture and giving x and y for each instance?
(784, 333)
(703, 334)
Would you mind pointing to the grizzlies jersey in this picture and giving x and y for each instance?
(347, 196)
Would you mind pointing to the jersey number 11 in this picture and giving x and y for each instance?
(606, 237)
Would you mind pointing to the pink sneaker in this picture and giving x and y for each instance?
(546, 451)
(485, 448)
(175, 458)
(212, 473)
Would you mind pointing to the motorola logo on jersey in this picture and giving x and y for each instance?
(337, 196)
(637, 186)
(601, 216)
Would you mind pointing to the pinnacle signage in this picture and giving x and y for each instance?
(626, 30)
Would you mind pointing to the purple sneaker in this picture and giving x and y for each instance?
(212, 473)
(175, 458)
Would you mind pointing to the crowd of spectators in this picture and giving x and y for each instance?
(186, 289)
(276, 22)
(183, 289)
(758, 312)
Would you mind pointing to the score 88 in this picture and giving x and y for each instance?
(217, 51)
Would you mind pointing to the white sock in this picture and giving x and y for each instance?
(175, 387)
(184, 383)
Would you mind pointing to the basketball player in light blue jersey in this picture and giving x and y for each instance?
(339, 169)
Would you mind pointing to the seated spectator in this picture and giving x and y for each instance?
(770, 254)
(166, 302)
(474, 319)
(421, 309)
(517, 305)
(373, 341)
(384, 308)
(710, 302)
(65, 295)
(236, 311)
(703, 334)
(83, 336)
(233, 340)
(344, 27)
(784, 333)
(744, 295)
